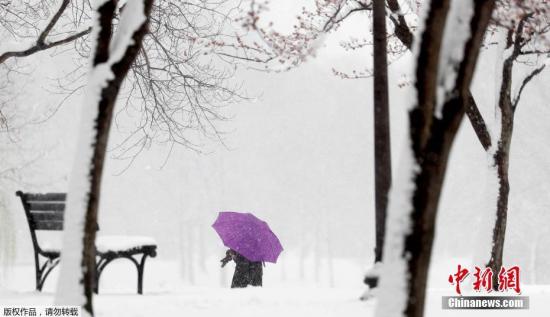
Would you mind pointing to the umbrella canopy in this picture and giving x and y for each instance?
(248, 235)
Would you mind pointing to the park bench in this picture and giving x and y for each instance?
(46, 212)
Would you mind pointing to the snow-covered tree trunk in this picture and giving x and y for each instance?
(114, 52)
(447, 53)
(404, 33)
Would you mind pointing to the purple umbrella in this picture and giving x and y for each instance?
(248, 235)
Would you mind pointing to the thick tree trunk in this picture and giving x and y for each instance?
(431, 140)
(103, 124)
(428, 183)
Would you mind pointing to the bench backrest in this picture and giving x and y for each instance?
(44, 211)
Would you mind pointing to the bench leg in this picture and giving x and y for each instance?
(37, 272)
(140, 266)
(140, 269)
(100, 265)
(43, 271)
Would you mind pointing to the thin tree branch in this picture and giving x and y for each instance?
(41, 47)
(335, 20)
(477, 122)
(534, 52)
(42, 37)
(402, 29)
(526, 80)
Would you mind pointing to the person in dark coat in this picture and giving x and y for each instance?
(246, 272)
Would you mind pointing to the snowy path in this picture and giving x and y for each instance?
(199, 302)
(266, 302)
(166, 295)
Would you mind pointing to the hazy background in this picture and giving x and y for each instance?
(298, 155)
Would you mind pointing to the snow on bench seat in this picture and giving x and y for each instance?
(122, 243)
(106, 244)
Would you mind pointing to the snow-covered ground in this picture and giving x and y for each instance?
(198, 302)
(167, 295)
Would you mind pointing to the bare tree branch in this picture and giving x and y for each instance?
(340, 14)
(477, 122)
(177, 84)
(37, 47)
(402, 30)
(42, 38)
(41, 42)
(534, 52)
(525, 81)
